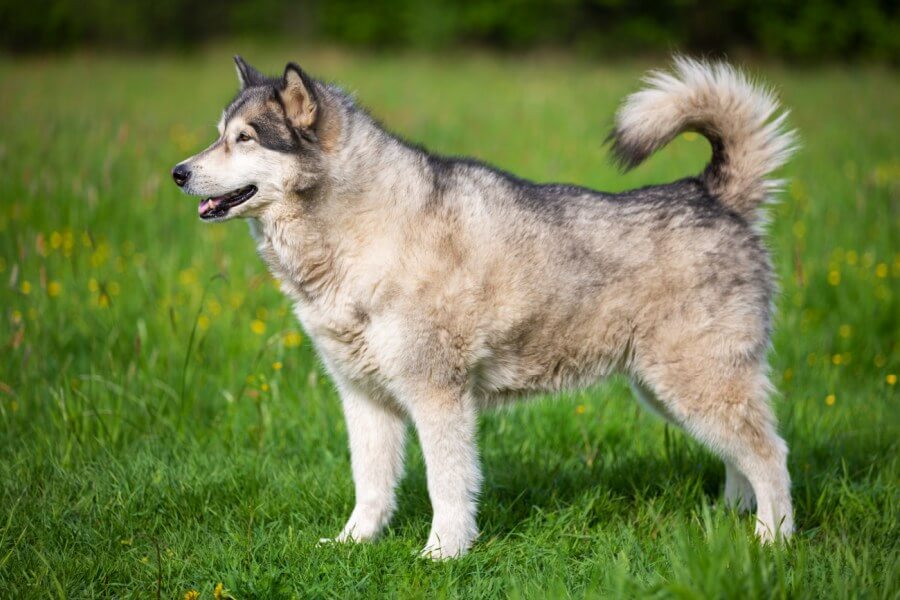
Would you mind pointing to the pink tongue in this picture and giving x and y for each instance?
(207, 205)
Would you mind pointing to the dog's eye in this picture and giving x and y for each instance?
(243, 137)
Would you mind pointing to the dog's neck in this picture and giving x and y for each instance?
(295, 254)
(305, 241)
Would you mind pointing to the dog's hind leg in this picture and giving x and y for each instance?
(377, 435)
(725, 406)
(738, 491)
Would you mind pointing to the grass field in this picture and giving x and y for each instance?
(165, 425)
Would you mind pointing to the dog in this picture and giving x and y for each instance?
(435, 287)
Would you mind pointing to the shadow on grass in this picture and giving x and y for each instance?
(518, 490)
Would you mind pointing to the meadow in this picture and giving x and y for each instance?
(165, 426)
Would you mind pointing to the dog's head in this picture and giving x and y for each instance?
(269, 147)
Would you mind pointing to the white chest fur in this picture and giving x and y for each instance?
(334, 312)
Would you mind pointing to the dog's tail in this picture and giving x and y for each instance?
(736, 116)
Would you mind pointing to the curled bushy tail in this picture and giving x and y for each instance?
(736, 116)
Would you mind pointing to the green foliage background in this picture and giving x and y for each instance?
(808, 31)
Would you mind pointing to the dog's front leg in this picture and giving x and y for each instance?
(377, 435)
(447, 425)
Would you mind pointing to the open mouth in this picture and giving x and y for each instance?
(218, 206)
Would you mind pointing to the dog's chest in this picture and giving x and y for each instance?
(334, 313)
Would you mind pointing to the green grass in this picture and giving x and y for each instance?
(149, 445)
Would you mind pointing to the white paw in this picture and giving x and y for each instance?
(768, 534)
(447, 546)
(327, 541)
(341, 538)
(362, 526)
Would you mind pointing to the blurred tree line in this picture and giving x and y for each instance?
(813, 30)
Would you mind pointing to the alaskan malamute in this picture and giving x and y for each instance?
(433, 287)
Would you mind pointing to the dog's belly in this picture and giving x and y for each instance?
(506, 373)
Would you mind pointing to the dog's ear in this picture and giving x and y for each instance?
(298, 94)
(247, 75)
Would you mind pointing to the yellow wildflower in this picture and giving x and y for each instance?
(834, 277)
(891, 379)
(191, 595)
(837, 359)
(56, 240)
(93, 285)
(580, 409)
(53, 289)
(264, 387)
(277, 365)
(26, 287)
(100, 254)
(257, 327)
(881, 271)
(187, 277)
(217, 592)
(203, 322)
(292, 339)
(845, 330)
(830, 399)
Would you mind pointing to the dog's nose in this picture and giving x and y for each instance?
(181, 174)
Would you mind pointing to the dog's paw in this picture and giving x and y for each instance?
(444, 547)
(326, 542)
(767, 535)
(344, 537)
(439, 553)
(361, 527)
